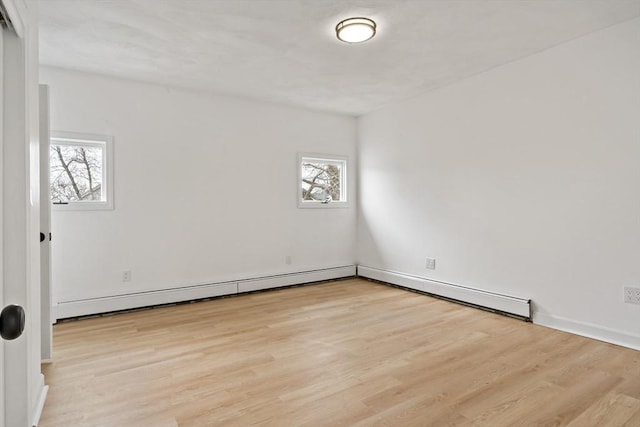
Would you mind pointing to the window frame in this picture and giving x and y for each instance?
(330, 159)
(87, 140)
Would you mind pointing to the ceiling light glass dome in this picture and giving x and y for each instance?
(355, 30)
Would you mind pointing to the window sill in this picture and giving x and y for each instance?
(87, 206)
(320, 205)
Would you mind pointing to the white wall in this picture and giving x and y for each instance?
(205, 189)
(523, 180)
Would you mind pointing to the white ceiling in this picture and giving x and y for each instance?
(286, 51)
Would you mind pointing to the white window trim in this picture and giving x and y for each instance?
(75, 138)
(326, 158)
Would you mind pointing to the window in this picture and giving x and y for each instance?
(322, 181)
(81, 171)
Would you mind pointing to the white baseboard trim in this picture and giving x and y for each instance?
(504, 303)
(589, 330)
(86, 307)
(37, 412)
(91, 306)
(295, 278)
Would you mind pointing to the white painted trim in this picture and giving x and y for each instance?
(504, 303)
(54, 314)
(46, 329)
(344, 181)
(142, 299)
(295, 278)
(15, 14)
(85, 307)
(88, 139)
(44, 390)
(589, 330)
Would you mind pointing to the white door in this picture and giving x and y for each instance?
(22, 390)
(1, 226)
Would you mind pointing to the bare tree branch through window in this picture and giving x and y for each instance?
(76, 173)
(322, 180)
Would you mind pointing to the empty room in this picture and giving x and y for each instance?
(320, 213)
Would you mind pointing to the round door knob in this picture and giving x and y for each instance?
(11, 322)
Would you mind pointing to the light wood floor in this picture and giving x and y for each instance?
(336, 354)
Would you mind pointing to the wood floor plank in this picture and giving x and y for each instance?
(612, 409)
(634, 421)
(342, 353)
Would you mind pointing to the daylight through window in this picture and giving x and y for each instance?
(323, 181)
(79, 171)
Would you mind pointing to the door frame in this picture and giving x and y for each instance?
(46, 330)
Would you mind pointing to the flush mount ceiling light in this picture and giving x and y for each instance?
(355, 30)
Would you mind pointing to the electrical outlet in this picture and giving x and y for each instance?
(431, 264)
(631, 295)
(287, 259)
(126, 276)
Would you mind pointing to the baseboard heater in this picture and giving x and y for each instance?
(91, 306)
(504, 304)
